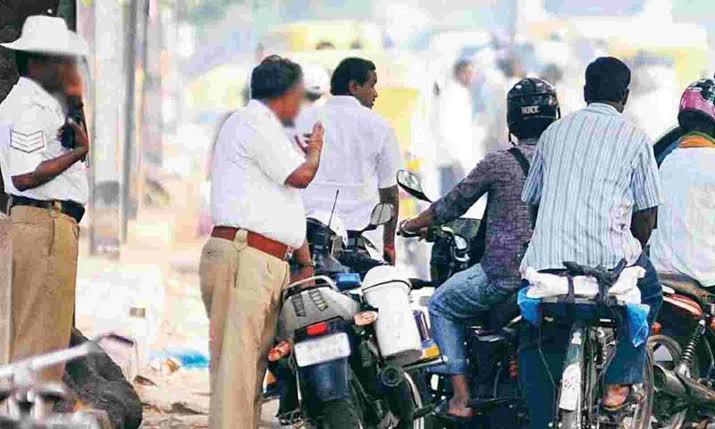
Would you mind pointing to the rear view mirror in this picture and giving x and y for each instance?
(381, 214)
(411, 184)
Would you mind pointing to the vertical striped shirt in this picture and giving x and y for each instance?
(591, 171)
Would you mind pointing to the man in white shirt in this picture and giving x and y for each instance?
(46, 178)
(684, 242)
(258, 219)
(362, 155)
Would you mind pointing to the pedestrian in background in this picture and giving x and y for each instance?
(456, 145)
(42, 152)
(258, 219)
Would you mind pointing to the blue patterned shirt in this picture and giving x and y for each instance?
(591, 171)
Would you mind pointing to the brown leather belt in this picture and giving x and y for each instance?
(255, 240)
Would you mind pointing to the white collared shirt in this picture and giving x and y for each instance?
(684, 241)
(360, 156)
(252, 160)
(29, 122)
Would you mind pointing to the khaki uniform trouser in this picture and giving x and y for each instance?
(44, 274)
(241, 289)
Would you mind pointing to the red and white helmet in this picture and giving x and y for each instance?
(698, 100)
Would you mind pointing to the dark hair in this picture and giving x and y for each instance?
(692, 120)
(460, 66)
(350, 69)
(274, 77)
(531, 129)
(607, 80)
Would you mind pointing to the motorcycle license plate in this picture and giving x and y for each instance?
(323, 349)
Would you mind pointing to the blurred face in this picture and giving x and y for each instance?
(466, 76)
(365, 93)
(53, 72)
(288, 106)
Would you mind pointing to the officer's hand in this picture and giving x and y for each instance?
(80, 136)
(315, 139)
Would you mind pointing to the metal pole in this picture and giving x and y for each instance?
(129, 119)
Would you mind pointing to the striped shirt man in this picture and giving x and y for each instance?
(591, 171)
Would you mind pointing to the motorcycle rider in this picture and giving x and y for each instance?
(362, 153)
(532, 106)
(684, 242)
(595, 181)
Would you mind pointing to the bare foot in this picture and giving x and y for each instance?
(616, 395)
(458, 407)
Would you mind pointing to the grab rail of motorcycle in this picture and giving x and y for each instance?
(330, 282)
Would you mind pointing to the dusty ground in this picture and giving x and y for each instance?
(165, 281)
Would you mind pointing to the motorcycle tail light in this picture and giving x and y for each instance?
(365, 318)
(317, 329)
(656, 328)
(280, 351)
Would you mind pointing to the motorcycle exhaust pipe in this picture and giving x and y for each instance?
(397, 392)
(682, 386)
(391, 377)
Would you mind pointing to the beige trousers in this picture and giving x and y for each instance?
(44, 274)
(241, 289)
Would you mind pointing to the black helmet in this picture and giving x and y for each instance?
(531, 99)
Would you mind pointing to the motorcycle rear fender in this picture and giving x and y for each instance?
(684, 305)
(326, 381)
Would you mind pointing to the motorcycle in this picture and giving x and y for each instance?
(491, 339)
(682, 348)
(347, 338)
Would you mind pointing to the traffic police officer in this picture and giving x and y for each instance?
(46, 178)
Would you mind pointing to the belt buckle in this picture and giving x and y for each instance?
(288, 254)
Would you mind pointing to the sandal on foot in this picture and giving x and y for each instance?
(441, 411)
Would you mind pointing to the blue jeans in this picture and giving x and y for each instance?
(542, 351)
(453, 306)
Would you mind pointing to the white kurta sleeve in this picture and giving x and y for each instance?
(389, 160)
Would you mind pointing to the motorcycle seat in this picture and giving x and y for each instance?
(498, 316)
(687, 286)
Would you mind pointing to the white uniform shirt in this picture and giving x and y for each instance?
(29, 122)
(251, 162)
(684, 241)
(361, 155)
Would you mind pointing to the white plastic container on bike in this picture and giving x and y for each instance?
(397, 335)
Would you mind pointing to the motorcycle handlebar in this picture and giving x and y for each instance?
(433, 232)
(420, 284)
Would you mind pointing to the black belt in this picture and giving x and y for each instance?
(70, 208)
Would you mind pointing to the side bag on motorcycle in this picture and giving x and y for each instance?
(397, 334)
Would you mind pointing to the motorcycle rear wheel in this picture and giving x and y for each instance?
(672, 352)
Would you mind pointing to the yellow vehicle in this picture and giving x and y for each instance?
(317, 35)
